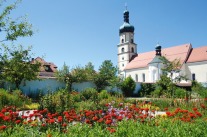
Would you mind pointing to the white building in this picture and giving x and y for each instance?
(146, 67)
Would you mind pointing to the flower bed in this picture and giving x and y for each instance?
(123, 120)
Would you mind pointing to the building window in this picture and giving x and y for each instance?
(122, 50)
(193, 76)
(122, 58)
(136, 77)
(132, 41)
(122, 65)
(143, 77)
(132, 49)
(122, 40)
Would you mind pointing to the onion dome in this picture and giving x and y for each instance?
(158, 49)
(126, 27)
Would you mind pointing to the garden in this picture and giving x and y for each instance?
(92, 113)
(110, 109)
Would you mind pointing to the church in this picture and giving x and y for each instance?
(147, 67)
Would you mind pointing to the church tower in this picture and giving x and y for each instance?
(126, 47)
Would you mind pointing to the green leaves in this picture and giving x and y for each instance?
(18, 66)
(128, 86)
(12, 29)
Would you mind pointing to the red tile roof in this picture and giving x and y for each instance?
(177, 52)
(198, 54)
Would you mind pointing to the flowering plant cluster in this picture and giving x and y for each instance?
(107, 118)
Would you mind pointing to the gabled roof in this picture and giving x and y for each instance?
(198, 54)
(180, 52)
(47, 69)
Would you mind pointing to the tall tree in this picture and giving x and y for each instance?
(12, 29)
(18, 66)
(15, 63)
(105, 76)
(89, 70)
(128, 86)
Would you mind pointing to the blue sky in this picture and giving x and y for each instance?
(79, 31)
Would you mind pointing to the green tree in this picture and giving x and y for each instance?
(171, 75)
(15, 63)
(146, 89)
(90, 72)
(172, 67)
(105, 76)
(128, 86)
(12, 29)
(17, 66)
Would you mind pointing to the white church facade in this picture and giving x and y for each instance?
(147, 67)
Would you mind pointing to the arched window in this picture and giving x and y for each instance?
(193, 76)
(136, 77)
(143, 77)
(122, 50)
(132, 49)
(132, 41)
(122, 40)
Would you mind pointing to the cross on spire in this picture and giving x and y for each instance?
(126, 6)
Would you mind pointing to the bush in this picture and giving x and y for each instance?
(199, 89)
(14, 98)
(90, 93)
(128, 87)
(146, 89)
(180, 93)
(103, 95)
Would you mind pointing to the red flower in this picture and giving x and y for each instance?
(198, 114)
(64, 124)
(203, 106)
(100, 120)
(168, 114)
(166, 109)
(51, 121)
(119, 118)
(2, 127)
(195, 109)
(18, 121)
(6, 118)
(108, 121)
(95, 118)
(87, 121)
(60, 118)
(43, 125)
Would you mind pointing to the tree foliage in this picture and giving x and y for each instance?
(128, 86)
(12, 29)
(171, 75)
(106, 75)
(77, 74)
(15, 62)
(17, 66)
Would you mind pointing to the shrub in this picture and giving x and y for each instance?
(14, 98)
(146, 89)
(90, 93)
(103, 95)
(180, 93)
(128, 86)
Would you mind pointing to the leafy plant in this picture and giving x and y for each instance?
(128, 86)
(146, 89)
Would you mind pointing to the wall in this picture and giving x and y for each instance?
(139, 72)
(200, 70)
(81, 86)
(43, 85)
